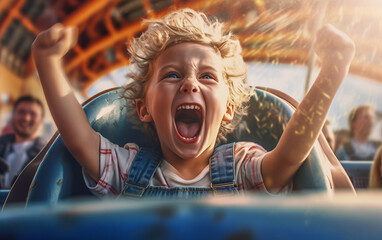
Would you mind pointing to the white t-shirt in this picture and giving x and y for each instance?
(16, 161)
(115, 163)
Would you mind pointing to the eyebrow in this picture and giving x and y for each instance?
(172, 65)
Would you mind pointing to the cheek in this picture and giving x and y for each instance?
(158, 101)
(18, 120)
(35, 121)
(219, 102)
(359, 124)
(18, 117)
(223, 97)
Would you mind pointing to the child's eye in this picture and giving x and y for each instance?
(172, 75)
(207, 76)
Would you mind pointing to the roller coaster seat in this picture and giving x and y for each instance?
(59, 176)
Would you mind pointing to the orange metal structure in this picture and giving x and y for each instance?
(105, 27)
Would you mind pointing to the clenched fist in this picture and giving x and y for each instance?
(54, 42)
(334, 47)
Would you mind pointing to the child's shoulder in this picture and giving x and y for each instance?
(246, 148)
(248, 153)
(107, 144)
(248, 145)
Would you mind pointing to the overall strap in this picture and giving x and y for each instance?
(142, 169)
(222, 170)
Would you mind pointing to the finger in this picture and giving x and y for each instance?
(72, 34)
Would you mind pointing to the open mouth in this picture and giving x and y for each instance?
(188, 121)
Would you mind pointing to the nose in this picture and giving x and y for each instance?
(28, 117)
(24, 118)
(189, 85)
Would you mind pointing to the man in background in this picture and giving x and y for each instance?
(20, 147)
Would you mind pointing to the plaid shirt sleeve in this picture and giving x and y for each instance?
(248, 160)
(115, 162)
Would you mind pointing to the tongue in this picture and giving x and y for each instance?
(187, 130)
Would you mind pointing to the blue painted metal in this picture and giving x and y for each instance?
(314, 216)
(59, 175)
(3, 196)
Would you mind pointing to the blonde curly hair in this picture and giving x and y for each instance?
(187, 25)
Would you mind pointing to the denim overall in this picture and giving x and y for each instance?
(222, 174)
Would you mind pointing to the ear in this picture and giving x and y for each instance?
(228, 115)
(143, 114)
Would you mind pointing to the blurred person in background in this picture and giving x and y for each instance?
(359, 147)
(341, 136)
(17, 149)
(375, 179)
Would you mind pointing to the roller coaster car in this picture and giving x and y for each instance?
(59, 176)
(58, 182)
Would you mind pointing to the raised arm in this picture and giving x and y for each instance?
(81, 140)
(336, 51)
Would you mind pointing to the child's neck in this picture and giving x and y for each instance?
(188, 168)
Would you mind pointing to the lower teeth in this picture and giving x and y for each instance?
(189, 138)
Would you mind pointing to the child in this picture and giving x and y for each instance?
(190, 86)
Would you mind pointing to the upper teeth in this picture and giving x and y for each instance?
(189, 107)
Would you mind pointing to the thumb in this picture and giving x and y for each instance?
(72, 34)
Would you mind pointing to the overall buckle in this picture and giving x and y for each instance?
(221, 188)
(134, 190)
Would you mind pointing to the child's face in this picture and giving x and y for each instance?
(186, 98)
